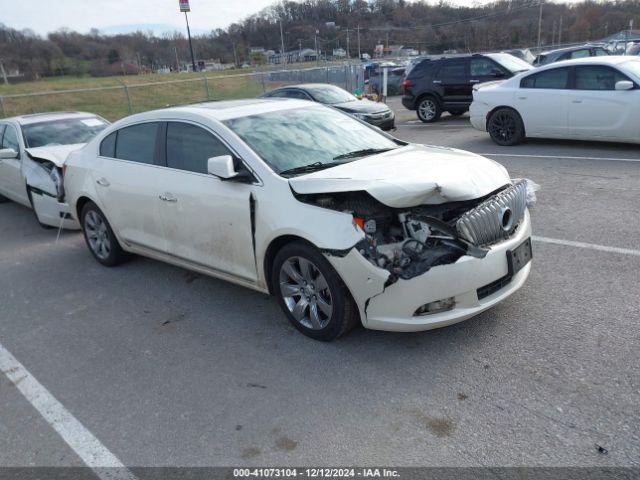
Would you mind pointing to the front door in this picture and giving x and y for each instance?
(12, 185)
(207, 221)
(597, 109)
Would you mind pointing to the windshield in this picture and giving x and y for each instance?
(289, 139)
(511, 63)
(330, 95)
(62, 132)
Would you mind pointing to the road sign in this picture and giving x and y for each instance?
(184, 6)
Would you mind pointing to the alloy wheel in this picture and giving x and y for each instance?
(97, 235)
(306, 293)
(503, 127)
(427, 109)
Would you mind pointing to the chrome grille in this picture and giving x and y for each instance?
(496, 218)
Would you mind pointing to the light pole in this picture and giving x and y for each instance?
(184, 7)
(539, 25)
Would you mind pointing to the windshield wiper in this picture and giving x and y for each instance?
(362, 153)
(311, 167)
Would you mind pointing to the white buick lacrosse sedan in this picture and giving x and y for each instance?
(340, 222)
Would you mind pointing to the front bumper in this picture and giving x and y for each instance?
(478, 116)
(387, 122)
(54, 213)
(392, 308)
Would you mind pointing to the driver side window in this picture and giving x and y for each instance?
(189, 147)
(10, 138)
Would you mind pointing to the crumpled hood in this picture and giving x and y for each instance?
(410, 176)
(57, 154)
(362, 106)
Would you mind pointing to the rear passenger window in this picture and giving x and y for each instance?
(597, 77)
(453, 70)
(137, 143)
(189, 147)
(556, 78)
(108, 146)
(581, 53)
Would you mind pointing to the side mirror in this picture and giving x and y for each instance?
(7, 153)
(222, 167)
(624, 85)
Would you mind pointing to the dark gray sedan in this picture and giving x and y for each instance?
(378, 114)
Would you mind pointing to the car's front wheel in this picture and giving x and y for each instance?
(505, 127)
(428, 110)
(101, 240)
(311, 293)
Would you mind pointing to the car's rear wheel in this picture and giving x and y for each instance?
(429, 109)
(101, 240)
(505, 127)
(311, 293)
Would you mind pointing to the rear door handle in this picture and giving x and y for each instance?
(103, 182)
(167, 197)
(522, 98)
(437, 82)
(474, 81)
(576, 101)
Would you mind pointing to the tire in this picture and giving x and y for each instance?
(33, 209)
(428, 109)
(99, 236)
(505, 127)
(457, 113)
(304, 282)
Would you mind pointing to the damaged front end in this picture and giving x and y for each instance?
(408, 242)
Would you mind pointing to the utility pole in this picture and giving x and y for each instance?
(282, 43)
(193, 60)
(348, 54)
(560, 32)
(359, 54)
(235, 54)
(175, 49)
(315, 42)
(540, 25)
(4, 73)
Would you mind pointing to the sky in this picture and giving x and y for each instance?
(118, 16)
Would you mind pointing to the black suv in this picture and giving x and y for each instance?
(446, 83)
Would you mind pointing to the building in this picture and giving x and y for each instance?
(294, 56)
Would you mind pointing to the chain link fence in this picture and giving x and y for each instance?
(118, 101)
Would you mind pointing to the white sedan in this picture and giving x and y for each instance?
(340, 221)
(595, 98)
(33, 149)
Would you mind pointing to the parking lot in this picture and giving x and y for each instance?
(164, 367)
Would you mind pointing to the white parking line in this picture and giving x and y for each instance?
(93, 453)
(591, 246)
(407, 124)
(558, 156)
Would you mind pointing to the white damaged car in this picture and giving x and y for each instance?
(33, 149)
(339, 221)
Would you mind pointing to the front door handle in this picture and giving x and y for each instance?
(474, 81)
(103, 182)
(437, 82)
(167, 197)
(576, 101)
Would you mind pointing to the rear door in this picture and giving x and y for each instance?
(597, 109)
(542, 101)
(12, 185)
(207, 221)
(452, 80)
(127, 179)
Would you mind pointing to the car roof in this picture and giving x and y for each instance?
(559, 51)
(304, 86)
(47, 117)
(224, 110)
(602, 60)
